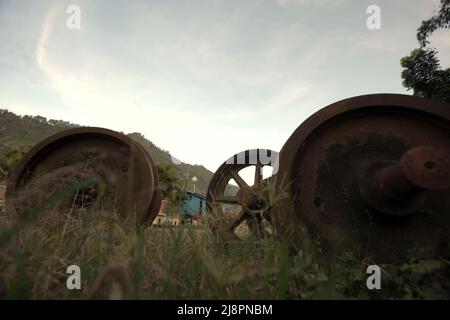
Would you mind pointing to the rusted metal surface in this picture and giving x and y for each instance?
(420, 169)
(251, 200)
(427, 167)
(392, 184)
(247, 197)
(129, 180)
(369, 175)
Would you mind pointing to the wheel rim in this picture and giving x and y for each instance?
(324, 159)
(124, 167)
(251, 201)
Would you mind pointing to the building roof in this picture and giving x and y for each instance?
(196, 195)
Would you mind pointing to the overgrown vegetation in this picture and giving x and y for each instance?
(171, 186)
(187, 263)
(8, 161)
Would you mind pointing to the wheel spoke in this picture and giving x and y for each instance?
(227, 199)
(258, 174)
(241, 182)
(241, 219)
(254, 224)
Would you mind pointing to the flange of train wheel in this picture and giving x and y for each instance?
(123, 176)
(370, 175)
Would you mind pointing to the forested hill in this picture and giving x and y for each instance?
(23, 132)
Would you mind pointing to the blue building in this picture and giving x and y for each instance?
(195, 204)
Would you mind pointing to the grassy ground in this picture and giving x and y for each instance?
(117, 262)
(185, 263)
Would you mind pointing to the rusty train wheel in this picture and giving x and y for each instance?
(370, 175)
(129, 180)
(250, 203)
(156, 196)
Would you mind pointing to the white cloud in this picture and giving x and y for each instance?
(385, 44)
(287, 96)
(232, 79)
(311, 3)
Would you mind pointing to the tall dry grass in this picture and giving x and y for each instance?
(185, 262)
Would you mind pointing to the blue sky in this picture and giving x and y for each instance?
(203, 79)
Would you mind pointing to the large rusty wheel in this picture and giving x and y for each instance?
(126, 175)
(370, 175)
(249, 202)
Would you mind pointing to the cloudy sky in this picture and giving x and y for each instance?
(203, 79)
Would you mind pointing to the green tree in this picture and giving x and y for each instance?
(9, 161)
(441, 20)
(170, 183)
(422, 72)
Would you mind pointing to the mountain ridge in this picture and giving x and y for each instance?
(23, 132)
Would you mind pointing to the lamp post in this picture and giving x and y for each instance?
(194, 180)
